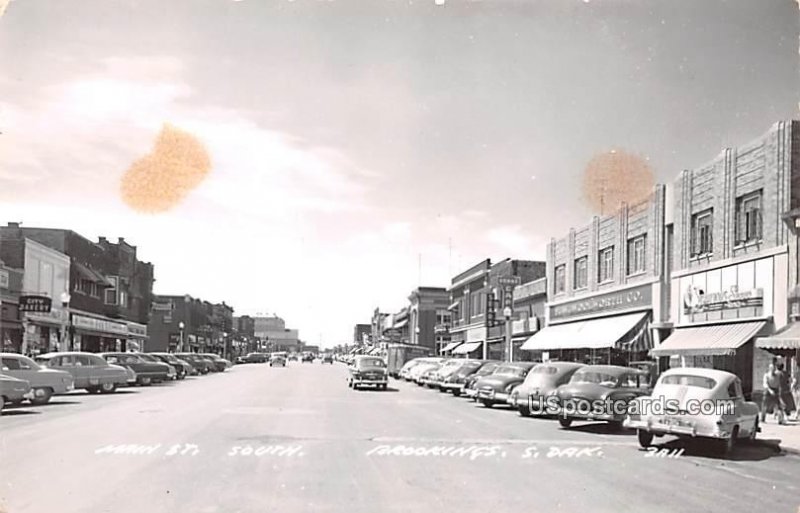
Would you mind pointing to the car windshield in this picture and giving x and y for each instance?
(689, 381)
(371, 362)
(599, 378)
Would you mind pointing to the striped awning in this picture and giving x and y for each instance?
(787, 338)
(620, 331)
(451, 346)
(467, 348)
(453, 306)
(716, 339)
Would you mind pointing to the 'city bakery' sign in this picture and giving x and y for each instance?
(696, 300)
(635, 297)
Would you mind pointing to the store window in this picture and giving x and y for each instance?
(748, 218)
(580, 276)
(561, 279)
(111, 292)
(636, 254)
(605, 270)
(702, 230)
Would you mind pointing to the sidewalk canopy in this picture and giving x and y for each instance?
(451, 346)
(400, 324)
(467, 348)
(453, 306)
(592, 334)
(717, 339)
(788, 338)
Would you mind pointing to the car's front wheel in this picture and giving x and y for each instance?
(144, 381)
(487, 403)
(2, 402)
(645, 438)
(565, 422)
(524, 411)
(41, 396)
(108, 388)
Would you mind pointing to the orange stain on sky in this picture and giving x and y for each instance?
(616, 177)
(160, 180)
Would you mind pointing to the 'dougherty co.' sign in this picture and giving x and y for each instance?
(39, 304)
(636, 297)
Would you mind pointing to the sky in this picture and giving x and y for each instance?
(360, 149)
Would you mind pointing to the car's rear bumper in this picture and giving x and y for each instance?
(370, 382)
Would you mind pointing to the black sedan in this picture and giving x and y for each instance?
(496, 388)
(146, 372)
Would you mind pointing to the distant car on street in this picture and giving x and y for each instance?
(44, 382)
(454, 382)
(277, 360)
(327, 358)
(13, 390)
(308, 357)
(220, 363)
(201, 365)
(175, 371)
(683, 390)
(182, 367)
(541, 382)
(600, 384)
(368, 371)
(256, 358)
(147, 372)
(90, 371)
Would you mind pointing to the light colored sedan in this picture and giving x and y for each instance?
(541, 382)
(13, 390)
(695, 403)
(90, 371)
(44, 382)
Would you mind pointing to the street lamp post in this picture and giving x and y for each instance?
(181, 326)
(507, 313)
(65, 331)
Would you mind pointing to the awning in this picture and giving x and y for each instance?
(453, 306)
(788, 338)
(717, 339)
(91, 275)
(467, 348)
(451, 346)
(400, 324)
(591, 334)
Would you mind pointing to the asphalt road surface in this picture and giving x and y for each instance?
(261, 439)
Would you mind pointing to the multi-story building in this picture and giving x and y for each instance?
(273, 330)
(245, 328)
(529, 313)
(11, 326)
(178, 324)
(474, 294)
(362, 334)
(110, 289)
(606, 297)
(377, 326)
(44, 272)
(736, 258)
(426, 307)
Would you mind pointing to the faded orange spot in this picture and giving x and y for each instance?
(616, 177)
(161, 179)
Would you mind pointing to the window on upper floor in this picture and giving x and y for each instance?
(581, 273)
(748, 218)
(637, 247)
(605, 265)
(702, 233)
(111, 295)
(560, 284)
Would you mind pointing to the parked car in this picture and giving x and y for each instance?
(201, 365)
(13, 390)
(147, 372)
(496, 388)
(89, 371)
(682, 391)
(428, 377)
(369, 371)
(454, 382)
(599, 392)
(327, 358)
(44, 382)
(308, 357)
(220, 363)
(149, 357)
(182, 367)
(541, 382)
(253, 358)
(427, 364)
(277, 360)
(404, 371)
(487, 369)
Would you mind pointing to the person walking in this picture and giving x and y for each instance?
(786, 397)
(772, 394)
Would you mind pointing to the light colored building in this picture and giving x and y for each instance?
(273, 330)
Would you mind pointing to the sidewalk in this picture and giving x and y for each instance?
(787, 437)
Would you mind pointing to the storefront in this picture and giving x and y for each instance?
(722, 311)
(45, 331)
(472, 347)
(605, 328)
(137, 337)
(98, 334)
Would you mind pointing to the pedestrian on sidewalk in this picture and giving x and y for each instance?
(786, 397)
(795, 387)
(772, 394)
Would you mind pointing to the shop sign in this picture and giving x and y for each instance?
(100, 325)
(635, 297)
(40, 304)
(137, 330)
(163, 307)
(476, 335)
(696, 300)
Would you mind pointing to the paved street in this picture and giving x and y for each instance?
(258, 439)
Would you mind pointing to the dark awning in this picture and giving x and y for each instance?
(716, 339)
(787, 338)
